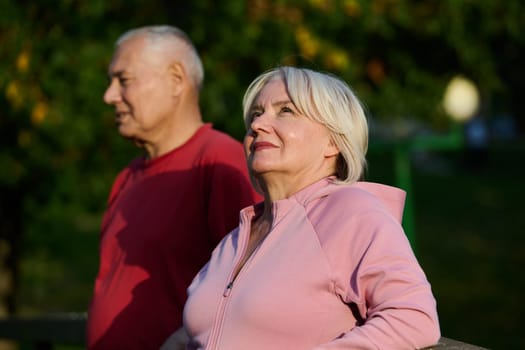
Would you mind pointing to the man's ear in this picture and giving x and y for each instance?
(178, 78)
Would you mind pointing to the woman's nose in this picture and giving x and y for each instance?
(260, 123)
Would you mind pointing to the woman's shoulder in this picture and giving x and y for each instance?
(358, 198)
(349, 196)
(342, 204)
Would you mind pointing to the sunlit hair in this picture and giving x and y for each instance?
(175, 38)
(328, 100)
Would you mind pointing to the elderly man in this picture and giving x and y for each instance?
(167, 209)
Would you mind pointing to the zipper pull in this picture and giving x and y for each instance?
(228, 290)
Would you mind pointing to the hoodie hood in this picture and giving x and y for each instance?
(392, 197)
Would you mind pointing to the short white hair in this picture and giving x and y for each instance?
(328, 100)
(174, 37)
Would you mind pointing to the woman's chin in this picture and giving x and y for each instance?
(260, 165)
(260, 171)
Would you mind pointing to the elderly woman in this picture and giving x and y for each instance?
(323, 262)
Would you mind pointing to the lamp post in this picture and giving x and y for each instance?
(460, 102)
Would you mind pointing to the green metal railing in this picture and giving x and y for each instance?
(402, 150)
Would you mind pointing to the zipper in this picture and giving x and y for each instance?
(221, 312)
(228, 290)
(215, 333)
(217, 325)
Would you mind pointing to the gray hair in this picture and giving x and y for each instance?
(172, 37)
(328, 100)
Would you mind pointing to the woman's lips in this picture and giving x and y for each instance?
(258, 146)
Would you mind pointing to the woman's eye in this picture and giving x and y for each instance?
(286, 109)
(252, 116)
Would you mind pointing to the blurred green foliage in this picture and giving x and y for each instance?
(59, 151)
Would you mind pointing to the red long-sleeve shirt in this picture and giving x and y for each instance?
(164, 218)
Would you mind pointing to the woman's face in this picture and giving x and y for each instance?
(284, 145)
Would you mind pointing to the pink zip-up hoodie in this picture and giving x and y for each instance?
(335, 272)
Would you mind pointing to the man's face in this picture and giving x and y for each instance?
(140, 91)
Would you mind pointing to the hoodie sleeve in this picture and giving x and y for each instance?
(387, 288)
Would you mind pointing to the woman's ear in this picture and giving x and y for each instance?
(178, 78)
(331, 149)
